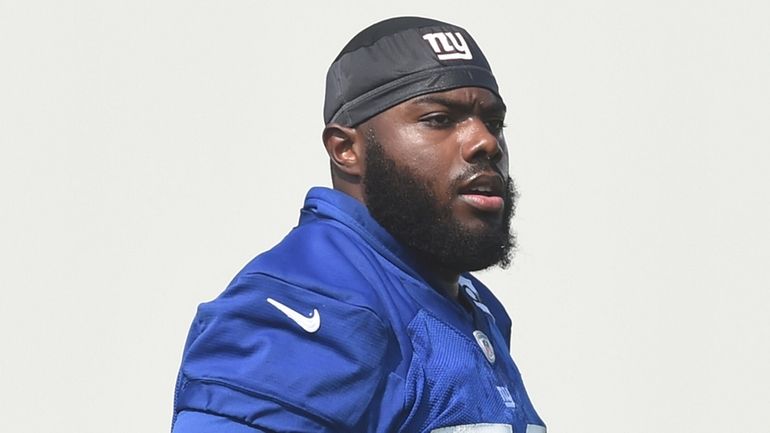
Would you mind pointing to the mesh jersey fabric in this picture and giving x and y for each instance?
(390, 355)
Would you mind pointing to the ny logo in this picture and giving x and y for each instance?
(449, 46)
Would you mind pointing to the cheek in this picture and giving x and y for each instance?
(424, 153)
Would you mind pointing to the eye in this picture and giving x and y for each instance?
(495, 126)
(438, 120)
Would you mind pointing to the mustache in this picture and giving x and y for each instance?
(482, 166)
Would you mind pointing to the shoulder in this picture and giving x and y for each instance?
(325, 257)
(298, 331)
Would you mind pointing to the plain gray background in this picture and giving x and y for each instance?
(151, 148)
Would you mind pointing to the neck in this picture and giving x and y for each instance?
(349, 185)
(445, 281)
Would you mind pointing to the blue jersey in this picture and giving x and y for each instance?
(336, 329)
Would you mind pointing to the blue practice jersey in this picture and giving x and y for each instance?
(335, 329)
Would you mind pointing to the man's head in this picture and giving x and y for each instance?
(414, 131)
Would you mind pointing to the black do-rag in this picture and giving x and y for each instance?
(398, 59)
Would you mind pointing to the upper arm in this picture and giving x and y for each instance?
(248, 361)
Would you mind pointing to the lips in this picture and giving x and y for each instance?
(484, 192)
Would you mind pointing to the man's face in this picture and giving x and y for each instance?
(436, 178)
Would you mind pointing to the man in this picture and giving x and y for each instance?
(364, 319)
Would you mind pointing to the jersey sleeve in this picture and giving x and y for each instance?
(190, 422)
(277, 357)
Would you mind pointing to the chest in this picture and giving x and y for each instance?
(456, 380)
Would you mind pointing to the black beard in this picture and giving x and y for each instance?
(406, 206)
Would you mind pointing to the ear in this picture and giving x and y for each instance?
(345, 147)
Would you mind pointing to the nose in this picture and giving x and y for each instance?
(480, 142)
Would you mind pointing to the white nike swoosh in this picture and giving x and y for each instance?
(309, 324)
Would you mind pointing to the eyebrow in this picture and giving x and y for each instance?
(496, 105)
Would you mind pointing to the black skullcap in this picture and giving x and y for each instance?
(398, 59)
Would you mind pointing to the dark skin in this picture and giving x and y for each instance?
(436, 136)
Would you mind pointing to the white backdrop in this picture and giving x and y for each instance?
(148, 149)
